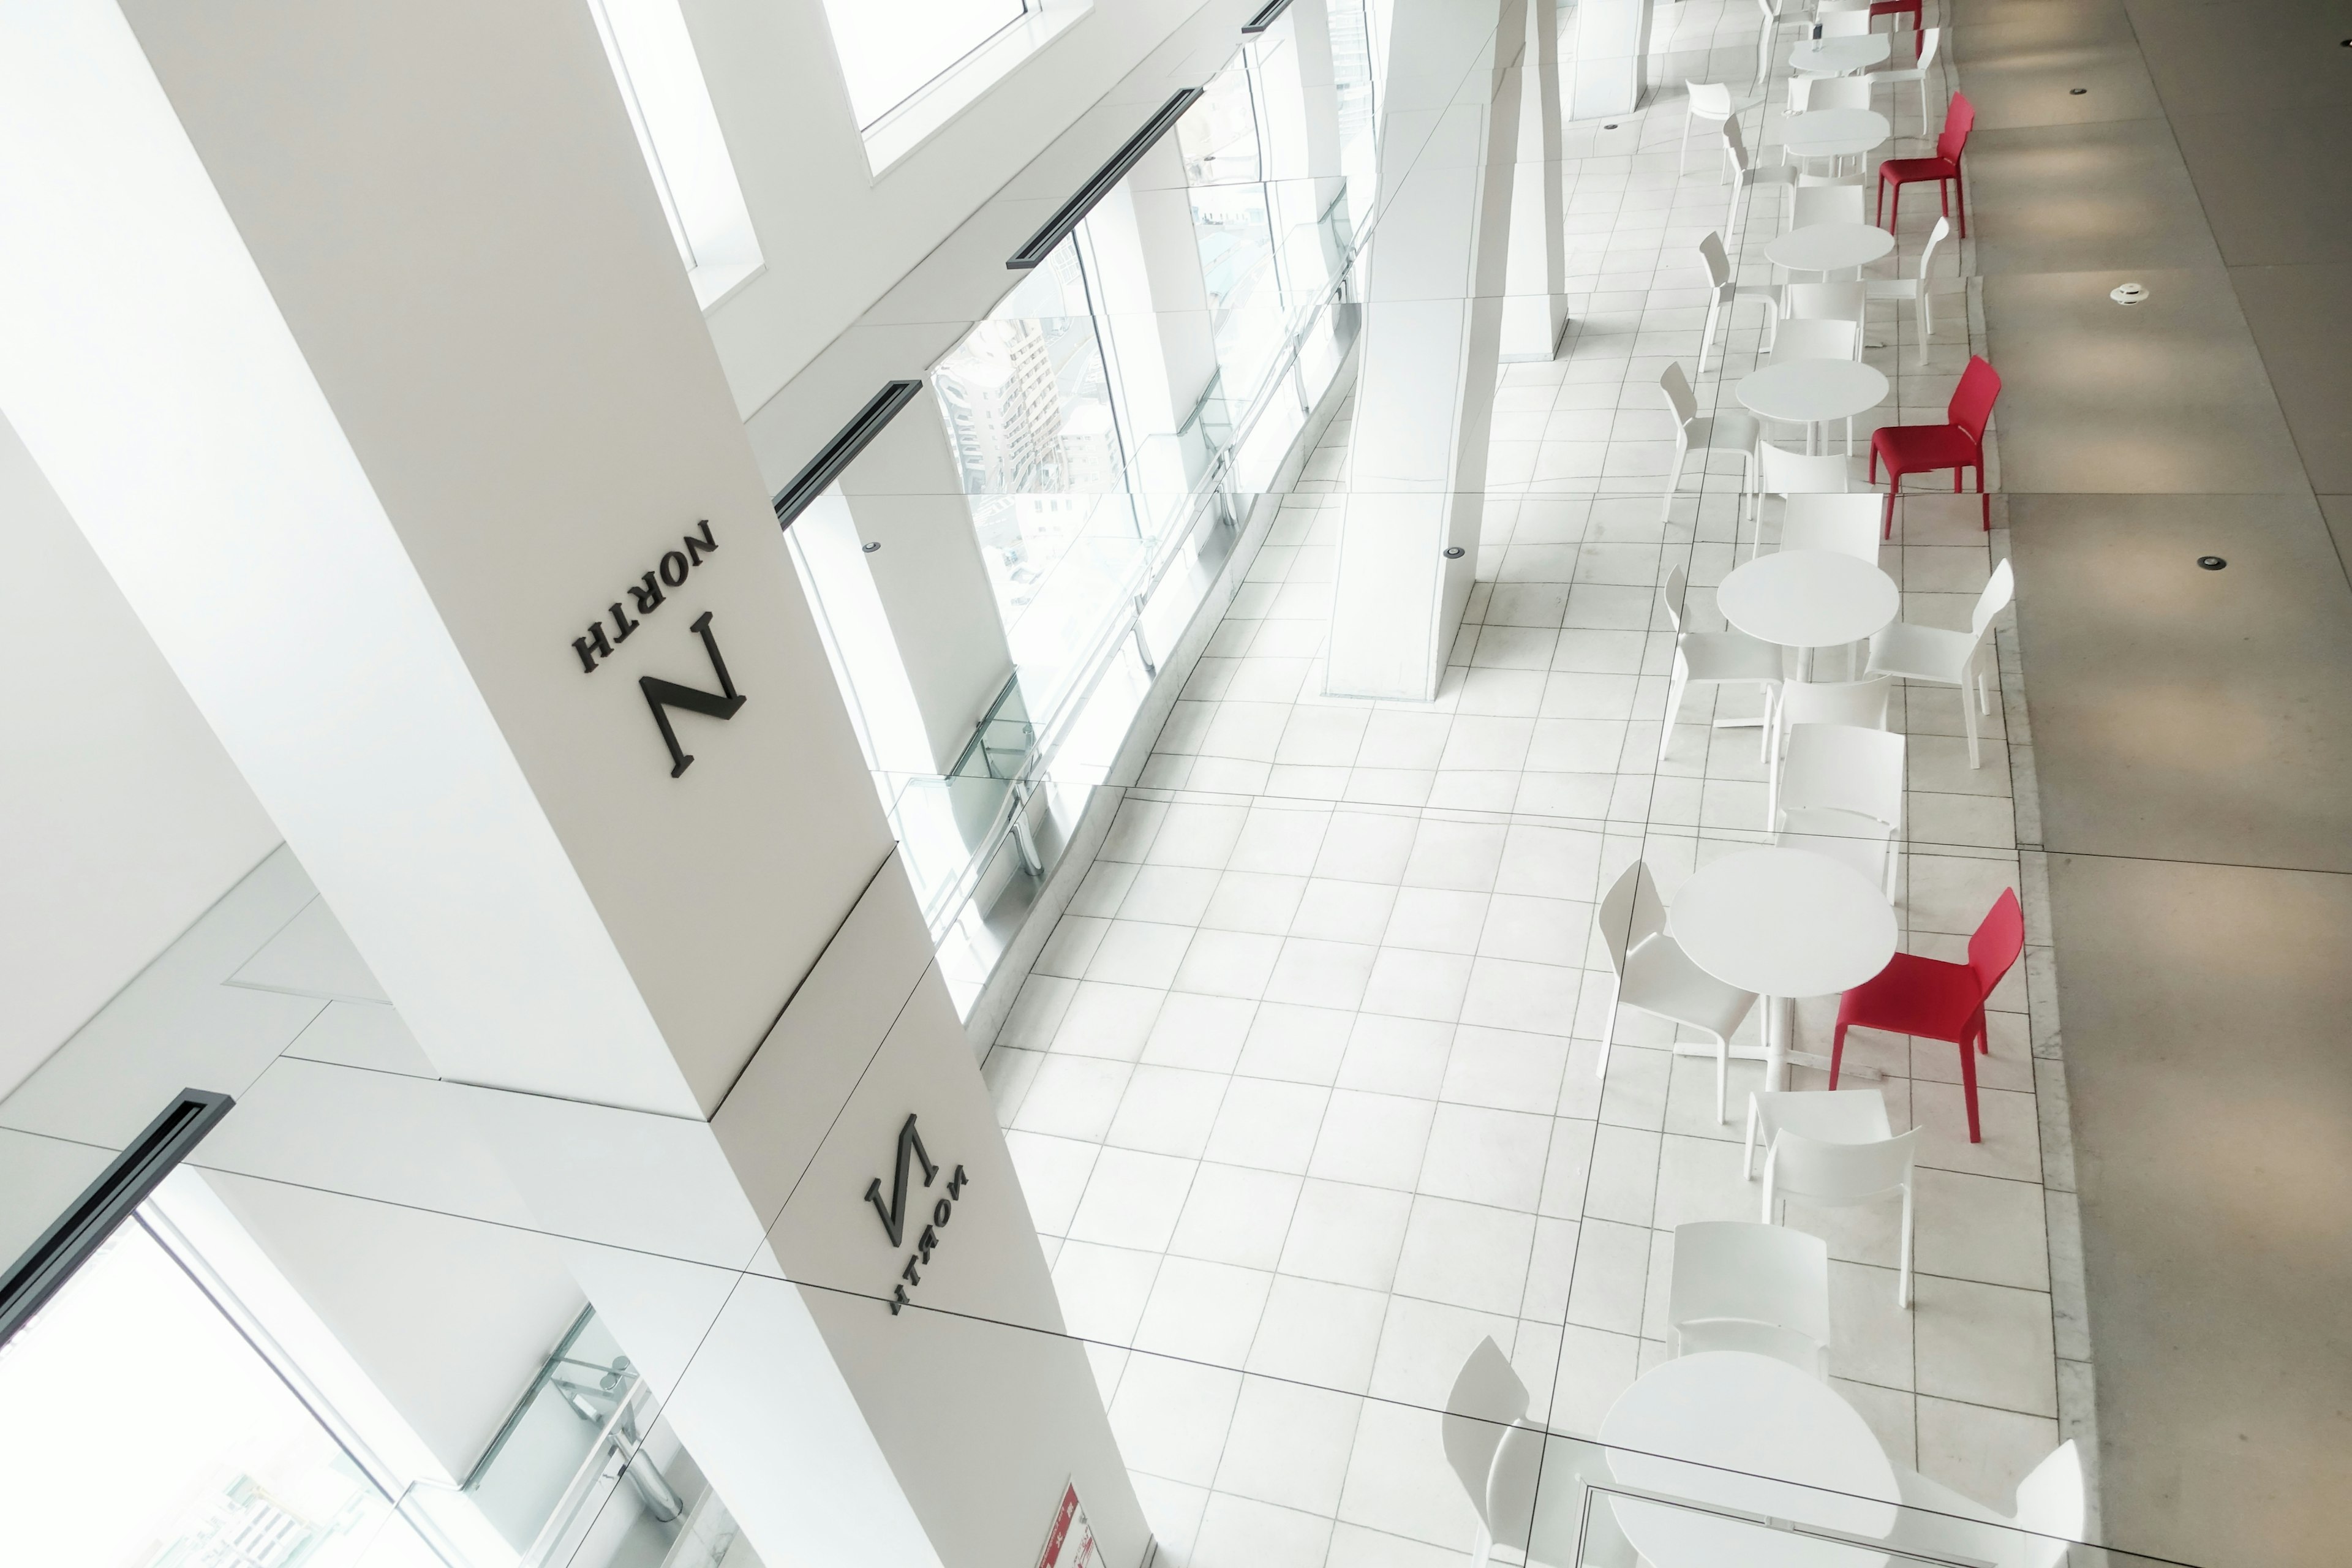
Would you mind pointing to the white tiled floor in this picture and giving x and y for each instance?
(1302, 1088)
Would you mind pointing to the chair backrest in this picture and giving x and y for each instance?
(1736, 1270)
(1929, 38)
(1845, 23)
(1842, 527)
(2054, 1501)
(1813, 339)
(1630, 913)
(1971, 404)
(1958, 120)
(1844, 768)
(1840, 93)
(1781, 472)
(1999, 937)
(1858, 702)
(1837, 1173)
(1676, 388)
(1709, 99)
(1718, 264)
(1823, 301)
(1801, 93)
(1670, 597)
(1999, 589)
(1936, 237)
(1826, 204)
(1488, 1397)
(1511, 1486)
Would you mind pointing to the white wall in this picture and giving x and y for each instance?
(123, 818)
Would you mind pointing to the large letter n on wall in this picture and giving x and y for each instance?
(662, 696)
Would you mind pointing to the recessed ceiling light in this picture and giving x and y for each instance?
(2211, 562)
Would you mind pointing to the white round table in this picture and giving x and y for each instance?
(1809, 598)
(1833, 132)
(1811, 392)
(1760, 1424)
(1783, 923)
(1828, 246)
(1835, 57)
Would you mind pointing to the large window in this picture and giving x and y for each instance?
(143, 1431)
(892, 49)
(1027, 398)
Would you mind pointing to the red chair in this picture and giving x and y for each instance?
(1914, 9)
(1943, 168)
(1939, 1001)
(1956, 446)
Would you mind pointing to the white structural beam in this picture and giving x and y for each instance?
(1609, 59)
(1535, 301)
(1425, 393)
(354, 340)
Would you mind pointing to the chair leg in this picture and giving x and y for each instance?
(1837, 1050)
(1748, 1148)
(1968, 1089)
(1673, 483)
(1722, 1079)
(1894, 484)
(1927, 318)
(1903, 1278)
(1968, 715)
(1707, 333)
(1608, 1031)
(1675, 689)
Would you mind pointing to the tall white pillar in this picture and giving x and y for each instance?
(1609, 62)
(354, 339)
(1154, 307)
(1425, 390)
(1535, 299)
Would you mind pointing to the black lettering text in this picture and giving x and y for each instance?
(593, 646)
(696, 549)
(661, 696)
(675, 579)
(622, 624)
(648, 598)
(927, 1240)
(909, 1274)
(899, 1298)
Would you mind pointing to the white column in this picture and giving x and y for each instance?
(354, 340)
(1535, 302)
(934, 655)
(1609, 59)
(1425, 392)
(1145, 261)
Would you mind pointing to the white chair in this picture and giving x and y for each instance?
(1746, 176)
(1823, 301)
(1715, 659)
(1823, 203)
(1846, 524)
(1710, 104)
(1487, 1401)
(1781, 472)
(1725, 292)
(1837, 791)
(1830, 92)
(1861, 703)
(1814, 337)
(2052, 1508)
(1915, 288)
(1655, 976)
(1818, 339)
(1929, 38)
(1765, 40)
(1733, 430)
(1764, 1289)
(1935, 656)
(1834, 1149)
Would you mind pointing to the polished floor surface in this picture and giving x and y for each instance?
(2191, 730)
(1303, 1087)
